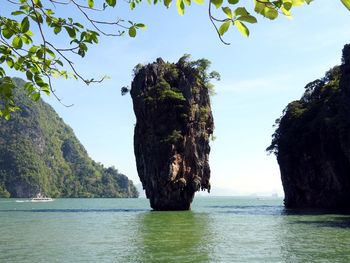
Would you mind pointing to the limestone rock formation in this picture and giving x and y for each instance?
(312, 142)
(173, 125)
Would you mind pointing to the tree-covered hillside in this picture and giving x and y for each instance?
(40, 153)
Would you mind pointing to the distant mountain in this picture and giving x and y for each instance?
(40, 153)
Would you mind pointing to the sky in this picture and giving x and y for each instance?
(260, 75)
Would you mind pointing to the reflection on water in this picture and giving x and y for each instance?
(172, 237)
(216, 230)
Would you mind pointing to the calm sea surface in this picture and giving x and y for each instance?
(224, 229)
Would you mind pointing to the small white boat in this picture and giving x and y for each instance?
(41, 198)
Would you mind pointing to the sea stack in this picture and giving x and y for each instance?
(312, 142)
(173, 125)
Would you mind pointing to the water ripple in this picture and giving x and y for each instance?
(249, 209)
(113, 210)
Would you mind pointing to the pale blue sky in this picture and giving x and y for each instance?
(260, 76)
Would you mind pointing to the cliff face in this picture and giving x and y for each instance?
(173, 126)
(312, 142)
(40, 153)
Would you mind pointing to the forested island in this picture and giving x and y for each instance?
(312, 142)
(40, 153)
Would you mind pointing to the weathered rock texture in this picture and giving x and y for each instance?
(312, 142)
(173, 125)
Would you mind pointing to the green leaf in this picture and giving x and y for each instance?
(270, 13)
(79, 25)
(29, 75)
(39, 81)
(49, 12)
(111, 2)
(17, 42)
(286, 12)
(16, 13)
(242, 28)
(36, 96)
(287, 4)
(70, 31)
(132, 5)
(298, 2)
(216, 3)
(140, 25)
(46, 89)
(50, 52)
(24, 7)
(59, 62)
(259, 7)
(277, 3)
(233, 2)
(132, 31)
(20, 60)
(248, 18)
(227, 11)
(57, 29)
(40, 53)
(37, 17)
(346, 3)
(199, 1)
(91, 3)
(7, 33)
(180, 7)
(33, 49)
(25, 25)
(224, 27)
(188, 2)
(240, 11)
(26, 39)
(167, 3)
(2, 71)
(29, 33)
(9, 62)
(29, 87)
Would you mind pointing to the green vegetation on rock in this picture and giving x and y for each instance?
(168, 93)
(319, 105)
(40, 153)
(312, 142)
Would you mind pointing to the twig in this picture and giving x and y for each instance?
(217, 30)
(71, 64)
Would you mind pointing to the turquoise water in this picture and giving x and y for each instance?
(126, 230)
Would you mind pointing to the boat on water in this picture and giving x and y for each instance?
(41, 198)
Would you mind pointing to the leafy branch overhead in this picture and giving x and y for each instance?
(38, 55)
(41, 59)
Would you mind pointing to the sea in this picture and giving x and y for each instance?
(217, 229)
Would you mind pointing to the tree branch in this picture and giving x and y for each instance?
(212, 21)
(71, 64)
